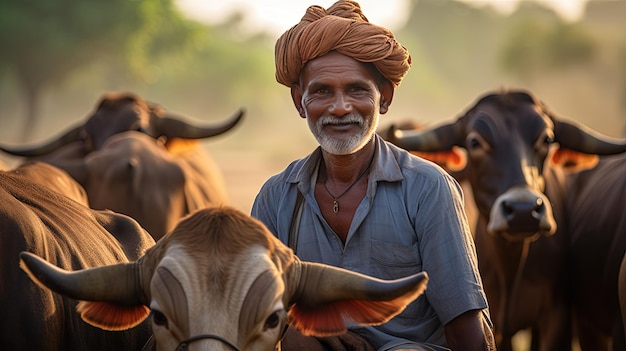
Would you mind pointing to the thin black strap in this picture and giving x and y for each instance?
(292, 241)
(295, 222)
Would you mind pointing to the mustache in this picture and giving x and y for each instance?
(347, 119)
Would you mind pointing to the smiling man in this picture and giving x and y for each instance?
(360, 203)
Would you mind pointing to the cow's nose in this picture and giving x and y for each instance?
(523, 216)
(521, 213)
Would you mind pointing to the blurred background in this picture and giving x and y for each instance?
(205, 59)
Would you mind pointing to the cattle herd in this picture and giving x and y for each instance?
(118, 235)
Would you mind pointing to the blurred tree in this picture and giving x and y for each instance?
(450, 34)
(606, 20)
(226, 69)
(538, 40)
(45, 41)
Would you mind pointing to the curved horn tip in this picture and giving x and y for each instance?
(396, 132)
(240, 114)
(242, 111)
(28, 258)
(32, 264)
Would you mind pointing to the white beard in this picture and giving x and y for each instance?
(350, 144)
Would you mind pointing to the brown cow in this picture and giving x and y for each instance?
(222, 280)
(520, 199)
(123, 175)
(36, 216)
(135, 175)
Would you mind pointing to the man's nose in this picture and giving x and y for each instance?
(340, 105)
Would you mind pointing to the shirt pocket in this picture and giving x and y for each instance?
(393, 261)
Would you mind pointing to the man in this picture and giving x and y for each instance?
(369, 206)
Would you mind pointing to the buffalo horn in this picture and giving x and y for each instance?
(69, 136)
(173, 127)
(113, 283)
(321, 284)
(582, 139)
(440, 138)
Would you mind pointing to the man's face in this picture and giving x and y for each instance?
(341, 100)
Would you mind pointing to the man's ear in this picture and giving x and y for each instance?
(386, 96)
(296, 96)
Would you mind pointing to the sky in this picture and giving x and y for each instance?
(276, 16)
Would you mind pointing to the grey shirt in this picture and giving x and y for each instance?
(410, 220)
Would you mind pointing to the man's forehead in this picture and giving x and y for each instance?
(335, 66)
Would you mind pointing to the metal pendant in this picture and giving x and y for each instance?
(335, 206)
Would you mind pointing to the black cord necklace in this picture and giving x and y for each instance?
(335, 198)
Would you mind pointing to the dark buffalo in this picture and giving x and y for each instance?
(597, 229)
(124, 174)
(37, 216)
(621, 286)
(510, 138)
(118, 112)
(220, 280)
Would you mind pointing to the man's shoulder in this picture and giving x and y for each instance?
(413, 165)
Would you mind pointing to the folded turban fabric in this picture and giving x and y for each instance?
(344, 28)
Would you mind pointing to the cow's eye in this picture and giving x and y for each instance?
(272, 321)
(543, 142)
(476, 143)
(159, 318)
(473, 143)
(548, 140)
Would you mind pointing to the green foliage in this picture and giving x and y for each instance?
(522, 49)
(534, 45)
(149, 47)
(165, 33)
(48, 39)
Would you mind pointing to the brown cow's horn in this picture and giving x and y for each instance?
(321, 284)
(173, 127)
(69, 136)
(436, 139)
(112, 283)
(582, 139)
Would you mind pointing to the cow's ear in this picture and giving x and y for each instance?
(177, 146)
(109, 316)
(573, 161)
(453, 160)
(332, 318)
(324, 299)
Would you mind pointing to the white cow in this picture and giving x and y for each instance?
(222, 281)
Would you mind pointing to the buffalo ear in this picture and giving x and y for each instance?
(454, 160)
(573, 161)
(110, 316)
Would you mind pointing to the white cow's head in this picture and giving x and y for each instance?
(222, 280)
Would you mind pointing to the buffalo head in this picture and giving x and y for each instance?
(120, 112)
(508, 137)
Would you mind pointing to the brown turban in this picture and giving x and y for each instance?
(344, 28)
